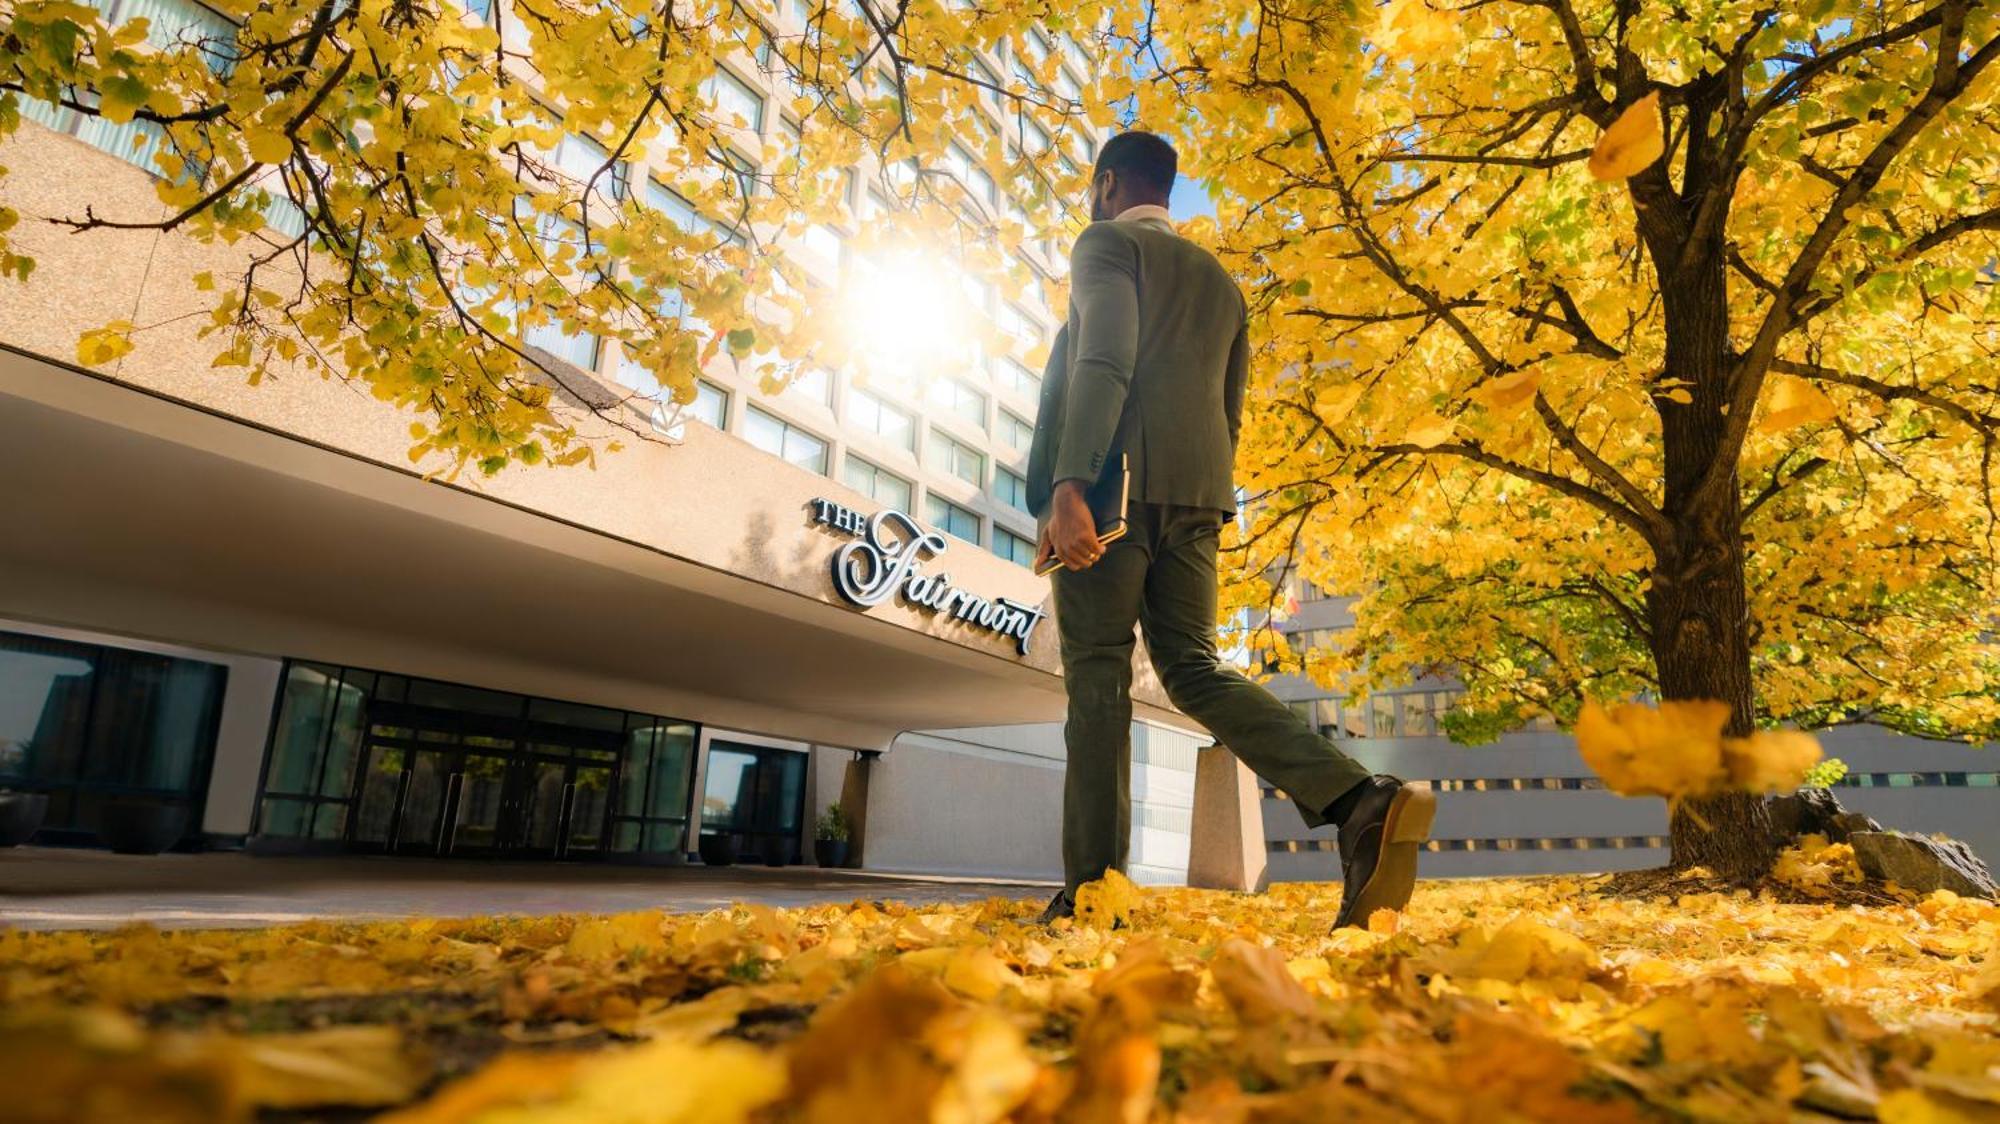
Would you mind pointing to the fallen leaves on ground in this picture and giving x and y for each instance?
(1524, 1000)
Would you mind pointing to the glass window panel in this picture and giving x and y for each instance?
(1016, 377)
(952, 519)
(45, 688)
(1013, 547)
(1016, 433)
(958, 458)
(305, 709)
(870, 480)
(814, 384)
(1414, 715)
(728, 790)
(868, 411)
(672, 768)
(580, 159)
(710, 405)
(285, 818)
(735, 100)
(1011, 488)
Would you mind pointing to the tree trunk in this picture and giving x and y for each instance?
(1697, 604)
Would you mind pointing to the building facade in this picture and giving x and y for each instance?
(243, 602)
(1527, 804)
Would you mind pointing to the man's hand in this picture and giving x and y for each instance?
(1071, 533)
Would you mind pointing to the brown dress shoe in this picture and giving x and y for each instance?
(1378, 848)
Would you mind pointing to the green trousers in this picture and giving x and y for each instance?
(1162, 577)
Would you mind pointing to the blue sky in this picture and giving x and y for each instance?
(1189, 200)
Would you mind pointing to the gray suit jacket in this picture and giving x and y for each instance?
(1149, 368)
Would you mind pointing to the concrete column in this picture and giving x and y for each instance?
(854, 801)
(1226, 851)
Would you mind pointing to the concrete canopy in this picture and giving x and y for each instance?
(131, 511)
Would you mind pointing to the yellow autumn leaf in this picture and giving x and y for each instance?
(1638, 750)
(108, 344)
(1256, 983)
(269, 145)
(1107, 902)
(1794, 402)
(1632, 142)
(1521, 949)
(367, 1066)
(1508, 392)
(1925, 1106)
(1429, 431)
(1413, 28)
(1770, 760)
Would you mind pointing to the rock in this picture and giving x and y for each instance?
(1848, 824)
(1809, 811)
(1923, 864)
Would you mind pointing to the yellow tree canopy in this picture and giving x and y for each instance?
(456, 179)
(1559, 299)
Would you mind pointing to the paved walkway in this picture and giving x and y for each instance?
(62, 888)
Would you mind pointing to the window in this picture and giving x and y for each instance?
(868, 412)
(878, 484)
(1016, 433)
(952, 519)
(958, 458)
(1011, 488)
(965, 403)
(575, 347)
(825, 243)
(990, 91)
(86, 723)
(1016, 377)
(757, 794)
(563, 241)
(813, 384)
(781, 438)
(711, 404)
(1014, 548)
(580, 158)
(735, 100)
(1020, 325)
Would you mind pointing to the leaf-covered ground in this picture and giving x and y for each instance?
(1488, 1001)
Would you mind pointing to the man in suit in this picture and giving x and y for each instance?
(1147, 375)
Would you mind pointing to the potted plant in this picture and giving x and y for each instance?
(830, 838)
(21, 815)
(141, 825)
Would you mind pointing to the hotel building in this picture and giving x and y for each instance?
(244, 602)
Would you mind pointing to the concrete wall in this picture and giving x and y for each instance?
(988, 801)
(1543, 827)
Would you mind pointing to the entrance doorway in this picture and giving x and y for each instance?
(445, 782)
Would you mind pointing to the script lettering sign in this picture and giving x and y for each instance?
(886, 559)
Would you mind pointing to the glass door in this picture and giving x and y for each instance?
(756, 793)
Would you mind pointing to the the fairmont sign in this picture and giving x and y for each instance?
(887, 557)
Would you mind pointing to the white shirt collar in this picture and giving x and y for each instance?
(1144, 211)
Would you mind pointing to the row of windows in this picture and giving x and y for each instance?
(1593, 784)
(1435, 846)
(779, 437)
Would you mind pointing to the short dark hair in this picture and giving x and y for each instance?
(1146, 158)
